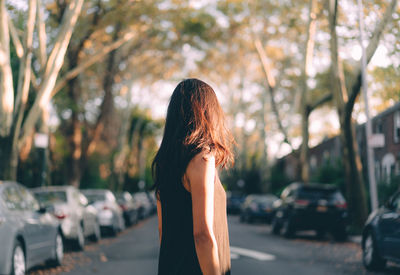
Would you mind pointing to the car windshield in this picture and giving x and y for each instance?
(51, 197)
(93, 197)
(265, 199)
(316, 193)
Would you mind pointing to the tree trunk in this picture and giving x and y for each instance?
(6, 172)
(304, 149)
(353, 169)
(75, 164)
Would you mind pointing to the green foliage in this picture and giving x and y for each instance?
(331, 172)
(278, 179)
(250, 174)
(387, 189)
(92, 175)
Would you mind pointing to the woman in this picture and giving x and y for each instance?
(191, 202)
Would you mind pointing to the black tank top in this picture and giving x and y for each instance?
(177, 252)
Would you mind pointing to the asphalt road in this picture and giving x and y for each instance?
(254, 250)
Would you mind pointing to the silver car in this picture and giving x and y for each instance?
(109, 212)
(78, 219)
(28, 234)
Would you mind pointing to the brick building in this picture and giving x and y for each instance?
(387, 157)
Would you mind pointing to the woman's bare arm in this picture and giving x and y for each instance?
(200, 174)
(159, 219)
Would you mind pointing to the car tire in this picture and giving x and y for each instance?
(370, 254)
(276, 228)
(18, 262)
(79, 242)
(96, 236)
(288, 228)
(58, 252)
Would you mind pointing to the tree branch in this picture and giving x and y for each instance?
(320, 101)
(15, 38)
(370, 51)
(91, 60)
(271, 83)
(53, 67)
(6, 80)
(41, 25)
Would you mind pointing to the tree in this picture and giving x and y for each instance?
(15, 128)
(19, 118)
(344, 101)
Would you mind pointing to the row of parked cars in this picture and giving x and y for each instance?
(323, 208)
(36, 224)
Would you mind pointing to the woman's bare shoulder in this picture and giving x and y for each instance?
(201, 162)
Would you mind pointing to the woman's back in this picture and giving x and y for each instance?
(178, 252)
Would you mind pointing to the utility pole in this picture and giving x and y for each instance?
(368, 126)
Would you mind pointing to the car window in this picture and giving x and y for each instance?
(30, 203)
(12, 198)
(316, 193)
(47, 198)
(93, 197)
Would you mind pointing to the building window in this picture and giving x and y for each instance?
(396, 127)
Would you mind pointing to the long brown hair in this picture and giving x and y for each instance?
(195, 122)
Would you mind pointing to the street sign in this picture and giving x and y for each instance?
(377, 140)
(41, 140)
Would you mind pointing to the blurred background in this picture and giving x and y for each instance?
(84, 87)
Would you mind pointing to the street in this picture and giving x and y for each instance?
(254, 251)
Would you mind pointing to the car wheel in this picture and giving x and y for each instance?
(58, 251)
(80, 240)
(371, 258)
(96, 236)
(288, 228)
(18, 266)
(276, 228)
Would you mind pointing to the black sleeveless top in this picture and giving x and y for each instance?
(177, 252)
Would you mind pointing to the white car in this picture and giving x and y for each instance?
(109, 213)
(28, 234)
(78, 219)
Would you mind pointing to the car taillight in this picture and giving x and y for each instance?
(106, 207)
(60, 216)
(301, 203)
(342, 205)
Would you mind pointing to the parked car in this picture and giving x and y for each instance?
(153, 200)
(234, 202)
(145, 205)
(78, 219)
(28, 234)
(129, 208)
(109, 213)
(319, 207)
(257, 207)
(381, 235)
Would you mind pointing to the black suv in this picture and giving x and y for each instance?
(381, 235)
(319, 207)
